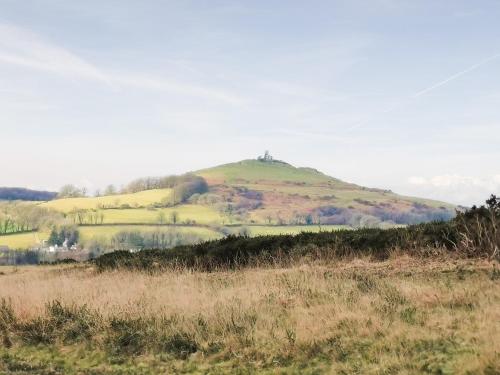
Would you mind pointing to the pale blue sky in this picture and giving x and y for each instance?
(385, 93)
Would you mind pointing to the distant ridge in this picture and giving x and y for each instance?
(22, 194)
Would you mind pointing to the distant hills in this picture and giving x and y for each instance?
(17, 193)
(250, 197)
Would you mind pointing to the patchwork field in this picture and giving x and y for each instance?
(23, 240)
(185, 213)
(140, 199)
(291, 229)
(401, 316)
(269, 197)
(106, 232)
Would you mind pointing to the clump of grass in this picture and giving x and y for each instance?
(69, 323)
(18, 365)
(39, 330)
(180, 344)
(7, 321)
(131, 336)
(365, 283)
(73, 323)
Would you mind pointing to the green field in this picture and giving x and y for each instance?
(106, 232)
(140, 199)
(187, 212)
(255, 171)
(292, 229)
(23, 240)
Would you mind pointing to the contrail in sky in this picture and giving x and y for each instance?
(428, 89)
(454, 76)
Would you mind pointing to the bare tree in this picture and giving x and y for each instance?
(161, 217)
(174, 217)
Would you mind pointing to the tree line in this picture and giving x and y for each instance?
(184, 186)
(16, 217)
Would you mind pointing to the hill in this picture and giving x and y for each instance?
(259, 171)
(17, 193)
(283, 194)
(251, 197)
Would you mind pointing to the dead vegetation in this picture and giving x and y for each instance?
(402, 315)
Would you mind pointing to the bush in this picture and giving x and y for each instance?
(180, 344)
(233, 251)
(479, 229)
(70, 323)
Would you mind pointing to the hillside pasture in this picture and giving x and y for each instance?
(263, 230)
(23, 240)
(105, 233)
(257, 171)
(140, 199)
(187, 212)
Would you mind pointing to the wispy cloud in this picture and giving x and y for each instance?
(161, 84)
(23, 48)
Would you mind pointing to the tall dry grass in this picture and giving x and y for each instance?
(403, 315)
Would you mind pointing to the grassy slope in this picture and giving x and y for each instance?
(282, 178)
(142, 198)
(23, 240)
(106, 232)
(290, 229)
(255, 171)
(201, 214)
(288, 190)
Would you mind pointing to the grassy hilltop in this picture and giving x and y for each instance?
(287, 191)
(252, 197)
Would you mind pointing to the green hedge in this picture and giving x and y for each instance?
(240, 250)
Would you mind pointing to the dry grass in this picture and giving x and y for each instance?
(400, 316)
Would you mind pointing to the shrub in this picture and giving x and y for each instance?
(235, 251)
(39, 330)
(72, 322)
(133, 335)
(180, 344)
(479, 229)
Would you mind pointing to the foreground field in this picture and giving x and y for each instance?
(403, 315)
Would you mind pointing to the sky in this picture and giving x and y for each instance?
(395, 94)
